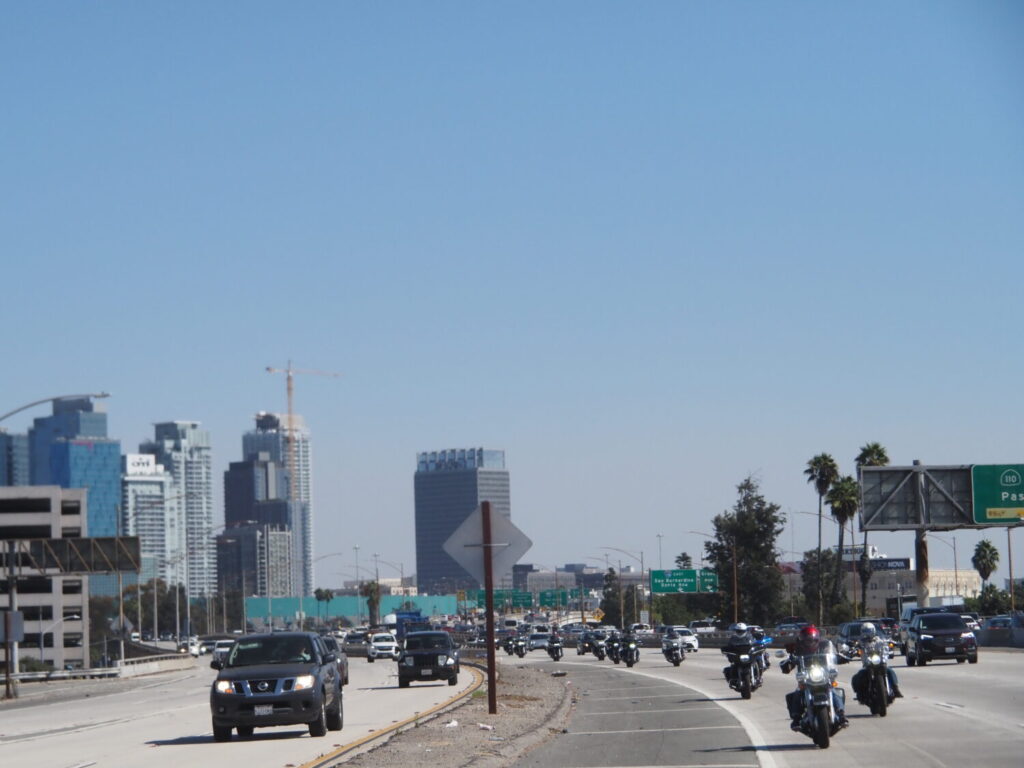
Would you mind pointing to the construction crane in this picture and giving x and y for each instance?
(290, 431)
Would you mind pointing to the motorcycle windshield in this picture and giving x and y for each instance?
(824, 660)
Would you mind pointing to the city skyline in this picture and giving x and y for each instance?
(646, 251)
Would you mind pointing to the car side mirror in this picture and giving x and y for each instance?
(329, 657)
(216, 664)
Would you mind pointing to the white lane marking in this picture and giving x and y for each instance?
(630, 688)
(656, 730)
(925, 754)
(679, 765)
(644, 711)
(948, 705)
(636, 698)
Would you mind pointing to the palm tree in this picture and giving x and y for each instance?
(822, 472)
(985, 559)
(371, 591)
(871, 455)
(844, 499)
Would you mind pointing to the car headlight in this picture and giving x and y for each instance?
(303, 682)
(449, 661)
(816, 674)
(442, 659)
(224, 686)
(408, 661)
(927, 637)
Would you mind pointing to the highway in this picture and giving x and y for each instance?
(656, 714)
(163, 721)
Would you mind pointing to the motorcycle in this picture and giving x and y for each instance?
(509, 644)
(815, 677)
(520, 647)
(599, 647)
(673, 651)
(614, 647)
(744, 670)
(555, 649)
(630, 651)
(878, 693)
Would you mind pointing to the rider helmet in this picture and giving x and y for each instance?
(867, 630)
(808, 640)
(739, 628)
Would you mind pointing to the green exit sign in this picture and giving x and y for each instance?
(998, 493)
(686, 580)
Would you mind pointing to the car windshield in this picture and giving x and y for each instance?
(426, 642)
(942, 621)
(383, 639)
(281, 649)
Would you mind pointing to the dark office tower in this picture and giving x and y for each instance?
(255, 492)
(449, 485)
(71, 419)
(14, 462)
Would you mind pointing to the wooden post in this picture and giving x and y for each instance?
(492, 676)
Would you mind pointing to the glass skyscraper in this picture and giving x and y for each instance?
(449, 485)
(14, 459)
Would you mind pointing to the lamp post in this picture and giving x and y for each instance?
(735, 578)
(400, 567)
(956, 569)
(359, 588)
(42, 632)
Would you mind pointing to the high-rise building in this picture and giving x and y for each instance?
(54, 606)
(72, 418)
(14, 459)
(184, 451)
(271, 437)
(449, 485)
(147, 513)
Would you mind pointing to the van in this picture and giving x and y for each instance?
(136, 637)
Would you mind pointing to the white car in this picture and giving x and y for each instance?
(538, 640)
(221, 649)
(691, 644)
(382, 646)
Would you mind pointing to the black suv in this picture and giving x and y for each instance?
(428, 656)
(332, 646)
(932, 636)
(284, 678)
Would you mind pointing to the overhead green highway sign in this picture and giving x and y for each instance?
(686, 580)
(998, 491)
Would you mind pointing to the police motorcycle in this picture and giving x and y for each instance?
(599, 646)
(875, 683)
(745, 652)
(613, 646)
(520, 646)
(509, 644)
(555, 648)
(816, 685)
(630, 649)
(672, 649)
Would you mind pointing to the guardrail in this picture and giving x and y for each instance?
(146, 665)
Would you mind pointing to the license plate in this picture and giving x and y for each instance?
(426, 672)
(951, 649)
(263, 709)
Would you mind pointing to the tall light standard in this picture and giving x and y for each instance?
(956, 569)
(359, 588)
(400, 567)
(660, 537)
(42, 632)
(735, 579)
(33, 404)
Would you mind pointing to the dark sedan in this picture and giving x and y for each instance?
(933, 636)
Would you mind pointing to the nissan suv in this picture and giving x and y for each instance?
(428, 656)
(284, 678)
(933, 636)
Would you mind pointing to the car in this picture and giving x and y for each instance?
(691, 643)
(428, 656)
(280, 678)
(538, 640)
(999, 622)
(355, 643)
(221, 649)
(942, 635)
(190, 647)
(970, 621)
(333, 646)
(909, 612)
(381, 645)
(702, 626)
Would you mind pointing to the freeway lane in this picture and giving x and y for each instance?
(164, 722)
(952, 715)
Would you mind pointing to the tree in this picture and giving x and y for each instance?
(871, 455)
(745, 538)
(684, 562)
(322, 596)
(821, 472)
(611, 599)
(844, 500)
(985, 559)
(371, 591)
(991, 601)
(810, 582)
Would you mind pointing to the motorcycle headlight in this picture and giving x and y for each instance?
(224, 686)
(632, 645)
(303, 682)
(816, 674)
(744, 657)
(875, 658)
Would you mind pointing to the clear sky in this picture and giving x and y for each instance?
(645, 248)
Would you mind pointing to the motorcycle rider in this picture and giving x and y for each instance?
(759, 640)
(739, 638)
(809, 643)
(868, 636)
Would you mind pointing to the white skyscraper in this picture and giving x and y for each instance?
(147, 512)
(184, 451)
(270, 436)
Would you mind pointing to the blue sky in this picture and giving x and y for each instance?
(646, 249)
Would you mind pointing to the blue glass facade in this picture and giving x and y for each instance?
(14, 462)
(71, 419)
(96, 466)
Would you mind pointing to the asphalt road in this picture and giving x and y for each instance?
(163, 721)
(659, 715)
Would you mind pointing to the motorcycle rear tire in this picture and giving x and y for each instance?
(822, 736)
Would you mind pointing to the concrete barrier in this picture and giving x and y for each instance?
(151, 665)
